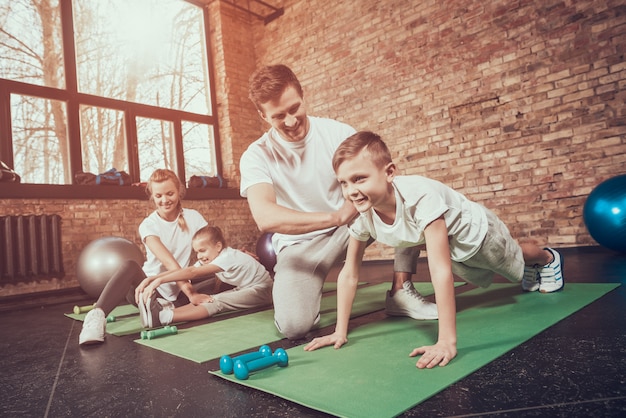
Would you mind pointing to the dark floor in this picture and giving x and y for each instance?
(577, 368)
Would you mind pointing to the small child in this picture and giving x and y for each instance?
(252, 283)
(461, 237)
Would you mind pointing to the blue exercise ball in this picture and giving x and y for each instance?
(101, 258)
(265, 251)
(605, 213)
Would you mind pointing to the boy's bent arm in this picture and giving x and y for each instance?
(347, 282)
(440, 267)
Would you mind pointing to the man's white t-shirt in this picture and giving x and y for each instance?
(177, 241)
(300, 172)
(420, 201)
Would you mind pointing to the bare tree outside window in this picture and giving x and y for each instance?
(149, 52)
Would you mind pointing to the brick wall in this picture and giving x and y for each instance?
(519, 105)
(83, 221)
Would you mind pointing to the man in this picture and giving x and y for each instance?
(292, 191)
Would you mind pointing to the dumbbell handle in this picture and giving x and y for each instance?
(168, 330)
(83, 309)
(242, 370)
(227, 363)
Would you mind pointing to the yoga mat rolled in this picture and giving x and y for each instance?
(209, 341)
(373, 375)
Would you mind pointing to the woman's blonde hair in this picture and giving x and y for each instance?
(161, 175)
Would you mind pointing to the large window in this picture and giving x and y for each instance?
(90, 85)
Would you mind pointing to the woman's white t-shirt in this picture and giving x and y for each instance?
(177, 241)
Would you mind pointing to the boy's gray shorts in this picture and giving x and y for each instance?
(499, 253)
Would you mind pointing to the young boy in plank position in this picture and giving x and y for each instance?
(461, 237)
(252, 282)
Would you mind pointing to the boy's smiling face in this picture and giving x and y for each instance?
(367, 185)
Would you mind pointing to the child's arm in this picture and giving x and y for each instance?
(440, 267)
(346, 289)
(166, 258)
(150, 284)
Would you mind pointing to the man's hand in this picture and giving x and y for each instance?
(346, 213)
(433, 355)
(334, 339)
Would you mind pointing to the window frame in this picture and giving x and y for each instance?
(75, 99)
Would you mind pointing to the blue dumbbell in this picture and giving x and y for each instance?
(242, 370)
(227, 363)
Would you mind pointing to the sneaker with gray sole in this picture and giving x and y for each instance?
(409, 302)
(94, 327)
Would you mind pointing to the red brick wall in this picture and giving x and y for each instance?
(519, 105)
(83, 221)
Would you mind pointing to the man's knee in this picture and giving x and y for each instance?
(295, 329)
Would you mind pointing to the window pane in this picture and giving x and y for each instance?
(155, 140)
(24, 56)
(144, 51)
(199, 149)
(103, 139)
(40, 148)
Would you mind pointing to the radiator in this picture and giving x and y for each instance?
(30, 247)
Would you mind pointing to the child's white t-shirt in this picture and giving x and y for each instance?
(239, 269)
(420, 201)
(177, 241)
(300, 172)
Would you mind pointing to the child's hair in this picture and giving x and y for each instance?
(269, 82)
(161, 175)
(213, 233)
(362, 140)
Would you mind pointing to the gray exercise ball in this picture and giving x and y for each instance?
(101, 258)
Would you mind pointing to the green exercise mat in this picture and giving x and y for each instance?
(127, 320)
(205, 342)
(373, 376)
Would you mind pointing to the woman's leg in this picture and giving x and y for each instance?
(121, 285)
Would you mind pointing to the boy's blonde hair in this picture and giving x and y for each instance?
(212, 233)
(161, 175)
(362, 140)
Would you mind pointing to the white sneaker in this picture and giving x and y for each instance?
(552, 274)
(531, 279)
(409, 302)
(94, 327)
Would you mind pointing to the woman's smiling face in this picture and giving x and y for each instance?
(166, 198)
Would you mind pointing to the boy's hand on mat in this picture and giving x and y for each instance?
(334, 339)
(433, 355)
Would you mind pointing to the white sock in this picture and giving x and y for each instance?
(166, 316)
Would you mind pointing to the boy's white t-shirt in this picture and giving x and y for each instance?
(177, 241)
(239, 269)
(300, 172)
(420, 201)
